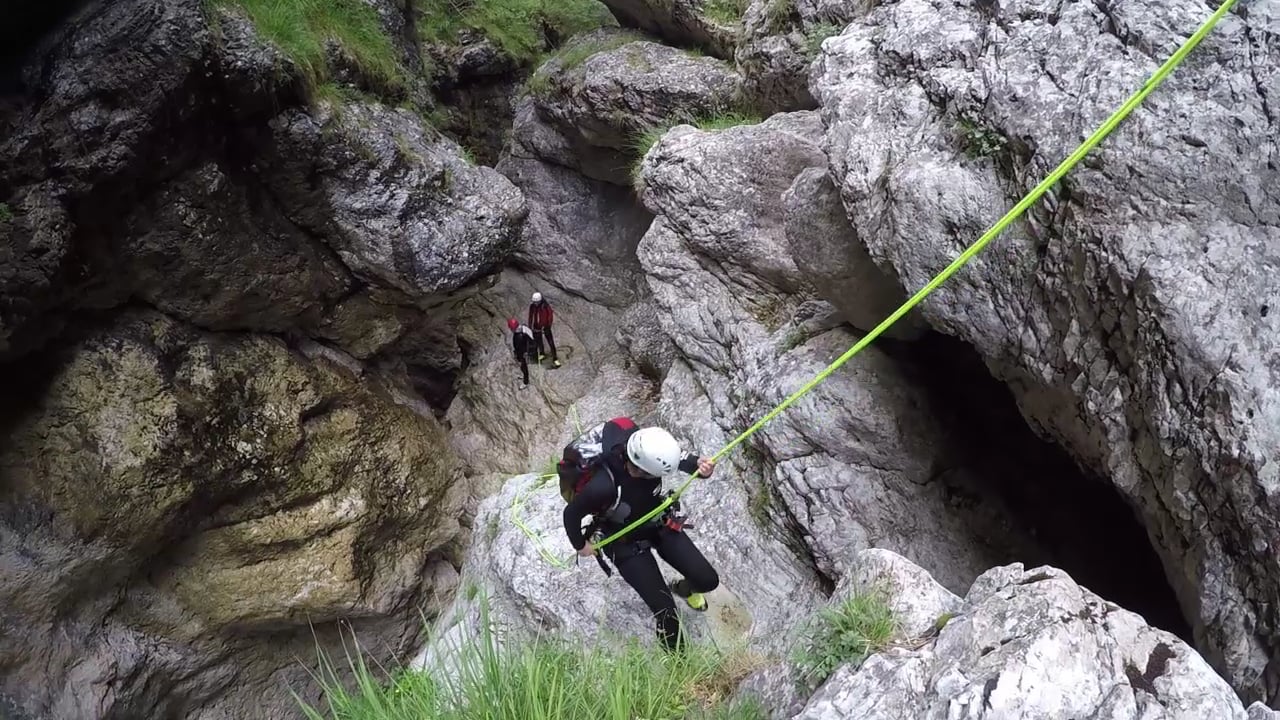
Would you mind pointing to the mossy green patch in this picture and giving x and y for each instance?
(727, 12)
(576, 52)
(522, 29)
(814, 36)
(302, 28)
(847, 632)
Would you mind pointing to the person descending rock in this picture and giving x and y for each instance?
(540, 317)
(522, 344)
(618, 486)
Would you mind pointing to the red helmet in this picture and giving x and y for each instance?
(513, 324)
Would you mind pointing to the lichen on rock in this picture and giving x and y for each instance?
(177, 486)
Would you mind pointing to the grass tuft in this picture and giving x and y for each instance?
(520, 28)
(643, 141)
(849, 632)
(6, 213)
(301, 29)
(727, 12)
(814, 36)
(778, 15)
(545, 679)
(574, 54)
(979, 141)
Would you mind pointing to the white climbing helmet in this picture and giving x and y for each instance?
(654, 451)
(537, 297)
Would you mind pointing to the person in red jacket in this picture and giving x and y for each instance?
(540, 318)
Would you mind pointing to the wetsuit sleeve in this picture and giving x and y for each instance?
(598, 493)
(689, 463)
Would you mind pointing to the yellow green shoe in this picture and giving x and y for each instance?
(697, 601)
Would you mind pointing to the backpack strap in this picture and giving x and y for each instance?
(591, 529)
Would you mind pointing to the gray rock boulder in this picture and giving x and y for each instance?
(712, 25)
(780, 41)
(858, 462)
(398, 204)
(836, 262)
(580, 234)
(186, 515)
(1131, 313)
(918, 603)
(607, 88)
(526, 574)
(1027, 643)
(220, 197)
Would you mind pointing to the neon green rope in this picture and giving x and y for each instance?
(1072, 160)
(1105, 129)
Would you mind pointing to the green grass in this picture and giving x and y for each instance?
(514, 26)
(300, 29)
(979, 141)
(545, 680)
(845, 633)
(6, 213)
(814, 36)
(574, 54)
(729, 12)
(778, 14)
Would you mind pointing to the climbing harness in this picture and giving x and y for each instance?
(1071, 161)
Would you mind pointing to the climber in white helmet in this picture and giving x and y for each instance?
(540, 318)
(619, 486)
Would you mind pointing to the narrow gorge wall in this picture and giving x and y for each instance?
(258, 382)
(227, 327)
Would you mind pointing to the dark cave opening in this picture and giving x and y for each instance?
(26, 24)
(1077, 519)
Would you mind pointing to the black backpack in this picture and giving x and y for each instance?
(584, 454)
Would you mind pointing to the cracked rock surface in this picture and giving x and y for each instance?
(1023, 642)
(1133, 312)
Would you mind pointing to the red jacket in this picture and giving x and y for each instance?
(540, 315)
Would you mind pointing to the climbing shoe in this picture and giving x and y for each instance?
(697, 601)
(555, 363)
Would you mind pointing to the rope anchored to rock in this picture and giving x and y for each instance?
(1049, 181)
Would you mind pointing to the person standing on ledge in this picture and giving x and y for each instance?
(522, 344)
(540, 318)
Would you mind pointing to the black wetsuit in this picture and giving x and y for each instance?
(631, 553)
(522, 345)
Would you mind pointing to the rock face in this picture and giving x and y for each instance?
(180, 509)
(224, 307)
(530, 587)
(836, 261)
(607, 88)
(356, 224)
(580, 234)
(859, 461)
(781, 40)
(690, 23)
(1024, 643)
(1132, 314)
